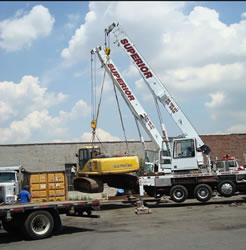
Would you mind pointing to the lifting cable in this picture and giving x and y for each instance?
(163, 129)
(107, 51)
(93, 88)
(140, 135)
(95, 113)
(121, 119)
(94, 122)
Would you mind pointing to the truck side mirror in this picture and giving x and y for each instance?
(76, 155)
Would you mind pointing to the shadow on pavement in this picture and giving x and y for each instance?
(7, 238)
(218, 201)
(72, 230)
(169, 203)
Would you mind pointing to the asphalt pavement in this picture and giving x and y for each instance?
(219, 224)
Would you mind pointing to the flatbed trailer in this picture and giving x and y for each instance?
(197, 185)
(41, 220)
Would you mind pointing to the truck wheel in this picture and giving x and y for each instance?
(203, 192)
(178, 193)
(226, 188)
(38, 225)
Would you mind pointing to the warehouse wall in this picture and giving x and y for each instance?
(54, 156)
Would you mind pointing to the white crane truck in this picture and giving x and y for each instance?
(179, 172)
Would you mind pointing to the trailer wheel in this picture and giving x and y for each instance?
(203, 192)
(226, 188)
(179, 193)
(38, 225)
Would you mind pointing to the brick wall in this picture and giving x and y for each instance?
(233, 144)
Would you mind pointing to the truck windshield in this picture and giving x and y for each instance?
(7, 177)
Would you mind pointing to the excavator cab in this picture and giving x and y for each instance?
(86, 154)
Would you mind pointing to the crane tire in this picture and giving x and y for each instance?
(179, 193)
(226, 188)
(203, 192)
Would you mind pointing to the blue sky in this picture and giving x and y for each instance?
(198, 50)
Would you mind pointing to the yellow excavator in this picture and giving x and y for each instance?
(96, 168)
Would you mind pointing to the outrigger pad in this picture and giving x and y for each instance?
(143, 210)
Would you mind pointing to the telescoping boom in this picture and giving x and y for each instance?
(157, 88)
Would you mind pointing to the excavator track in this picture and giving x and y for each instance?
(88, 185)
(94, 184)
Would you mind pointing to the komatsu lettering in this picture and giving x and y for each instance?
(129, 48)
(121, 82)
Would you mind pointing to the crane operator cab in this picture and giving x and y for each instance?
(186, 155)
(183, 157)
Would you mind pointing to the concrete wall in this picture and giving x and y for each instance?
(54, 156)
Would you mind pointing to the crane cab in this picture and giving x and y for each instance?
(186, 155)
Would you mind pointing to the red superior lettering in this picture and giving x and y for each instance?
(129, 48)
(121, 82)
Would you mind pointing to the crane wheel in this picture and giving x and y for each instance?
(203, 192)
(179, 193)
(226, 188)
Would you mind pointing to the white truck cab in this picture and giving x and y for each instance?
(10, 183)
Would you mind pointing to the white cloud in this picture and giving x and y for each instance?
(19, 99)
(5, 111)
(43, 124)
(73, 19)
(20, 31)
(21, 131)
(142, 88)
(25, 112)
(80, 109)
(217, 100)
(239, 128)
(101, 134)
(90, 34)
(243, 15)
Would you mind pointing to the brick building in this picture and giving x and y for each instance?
(221, 144)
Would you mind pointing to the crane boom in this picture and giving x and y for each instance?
(130, 99)
(157, 88)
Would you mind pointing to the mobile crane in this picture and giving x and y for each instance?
(189, 176)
